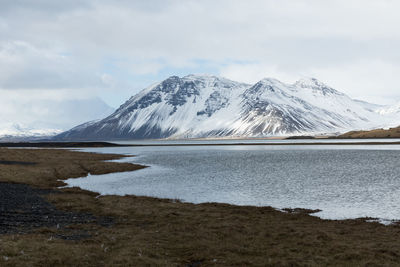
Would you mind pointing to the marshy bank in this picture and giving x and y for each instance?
(130, 230)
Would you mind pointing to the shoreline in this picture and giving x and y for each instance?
(110, 144)
(152, 231)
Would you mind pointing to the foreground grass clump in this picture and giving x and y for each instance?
(161, 232)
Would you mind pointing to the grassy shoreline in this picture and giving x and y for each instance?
(151, 231)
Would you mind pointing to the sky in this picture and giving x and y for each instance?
(113, 49)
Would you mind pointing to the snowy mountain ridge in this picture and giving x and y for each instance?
(209, 106)
(394, 109)
(47, 117)
(13, 131)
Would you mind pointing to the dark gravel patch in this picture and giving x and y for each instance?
(7, 162)
(23, 208)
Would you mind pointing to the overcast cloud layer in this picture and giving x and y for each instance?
(112, 49)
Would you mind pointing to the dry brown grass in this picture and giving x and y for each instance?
(54, 165)
(160, 232)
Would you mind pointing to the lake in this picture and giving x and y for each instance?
(344, 181)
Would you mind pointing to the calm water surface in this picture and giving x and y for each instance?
(342, 181)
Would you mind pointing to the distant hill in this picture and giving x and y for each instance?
(377, 133)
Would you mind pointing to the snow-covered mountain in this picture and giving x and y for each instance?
(210, 106)
(43, 118)
(18, 132)
(390, 110)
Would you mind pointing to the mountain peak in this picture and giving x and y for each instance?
(201, 76)
(309, 82)
(267, 85)
(193, 77)
(172, 79)
(269, 80)
(207, 78)
(316, 85)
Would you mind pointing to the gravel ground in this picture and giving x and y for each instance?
(23, 208)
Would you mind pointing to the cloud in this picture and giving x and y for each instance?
(117, 45)
(254, 72)
(373, 80)
(46, 109)
(26, 66)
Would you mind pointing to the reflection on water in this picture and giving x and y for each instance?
(342, 181)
